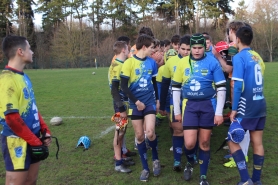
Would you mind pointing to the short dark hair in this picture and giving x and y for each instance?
(144, 40)
(205, 33)
(175, 39)
(162, 43)
(245, 35)
(167, 42)
(208, 37)
(185, 40)
(156, 42)
(147, 31)
(11, 43)
(118, 46)
(124, 38)
(235, 25)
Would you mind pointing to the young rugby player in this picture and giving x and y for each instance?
(22, 123)
(120, 101)
(139, 84)
(249, 105)
(167, 75)
(196, 76)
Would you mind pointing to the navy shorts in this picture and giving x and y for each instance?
(253, 123)
(135, 114)
(16, 153)
(199, 114)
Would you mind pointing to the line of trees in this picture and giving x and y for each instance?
(75, 33)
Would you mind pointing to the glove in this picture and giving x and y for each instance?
(121, 123)
(39, 152)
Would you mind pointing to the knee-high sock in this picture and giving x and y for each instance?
(244, 144)
(124, 149)
(178, 142)
(241, 165)
(204, 157)
(189, 155)
(258, 162)
(142, 149)
(153, 145)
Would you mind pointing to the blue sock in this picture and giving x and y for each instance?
(258, 162)
(153, 145)
(241, 165)
(178, 142)
(204, 157)
(189, 155)
(119, 162)
(142, 149)
(196, 147)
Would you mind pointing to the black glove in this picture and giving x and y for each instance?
(39, 152)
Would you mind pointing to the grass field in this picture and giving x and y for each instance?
(84, 102)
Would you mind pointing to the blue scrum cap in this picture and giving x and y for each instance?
(84, 141)
(236, 132)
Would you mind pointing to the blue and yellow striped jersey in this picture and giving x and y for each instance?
(114, 75)
(197, 77)
(17, 95)
(139, 72)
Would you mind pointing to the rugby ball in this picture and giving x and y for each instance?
(56, 121)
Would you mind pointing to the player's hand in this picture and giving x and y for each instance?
(123, 114)
(157, 106)
(178, 118)
(47, 141)
(233, 115)
(218, 120)
(140, 106)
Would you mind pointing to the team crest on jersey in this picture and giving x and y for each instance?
(186, 72)
(137, 71)
(150, 71)
(204, 72)
(9, 106)
(26, 93)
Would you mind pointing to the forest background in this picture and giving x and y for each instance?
(77, 33)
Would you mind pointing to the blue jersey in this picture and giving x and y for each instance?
(198, 77)
(139, 73)
(249, 67)
(17, 95)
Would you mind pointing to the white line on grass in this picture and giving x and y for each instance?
(103, 133)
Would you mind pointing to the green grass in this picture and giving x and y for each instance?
(84, 102)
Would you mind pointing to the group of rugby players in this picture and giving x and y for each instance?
(187, 83)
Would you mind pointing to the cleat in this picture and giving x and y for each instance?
(249, 182)
(156, 168)
(144, 175)
(177, 166)
(188, 171)
(232, 163)
(128, 163)
(130, 153)
(171, 149)
(203, 180)
(122, 169)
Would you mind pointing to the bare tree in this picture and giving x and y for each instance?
(265, 22)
